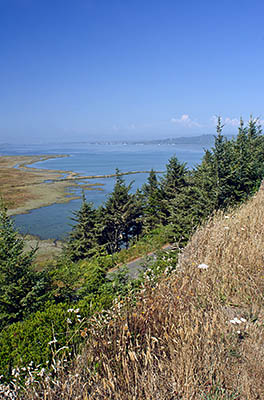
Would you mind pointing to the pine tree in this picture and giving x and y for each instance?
(186, 212)
(151, 200)
(172, 184)
(256, 150)
(253, 130)
(204, 179)
(223, 156)
(121, 216)
(246, 161)
(241, 164)
(83, 238)
(22, 290)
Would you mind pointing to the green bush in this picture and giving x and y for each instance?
(57, 330)
(36, 339)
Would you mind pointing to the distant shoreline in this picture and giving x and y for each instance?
(204, 140)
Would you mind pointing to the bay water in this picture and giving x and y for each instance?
(54, 221)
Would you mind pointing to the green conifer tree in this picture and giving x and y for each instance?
(241, 164)
(121, 216)
(151, 200)
(186, 212)
(204, 180)
(223, 156)
(256, 150)
(22, 290)
(83, 239)
(172, 184)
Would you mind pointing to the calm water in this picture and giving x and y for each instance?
(54, 221)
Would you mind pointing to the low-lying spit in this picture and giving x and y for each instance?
(197, 334)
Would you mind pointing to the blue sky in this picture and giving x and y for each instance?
(128, 69)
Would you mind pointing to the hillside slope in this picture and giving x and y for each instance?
(197, 334)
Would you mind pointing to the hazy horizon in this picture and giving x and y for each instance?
(112, 141)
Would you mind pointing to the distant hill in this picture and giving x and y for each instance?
(202, 140)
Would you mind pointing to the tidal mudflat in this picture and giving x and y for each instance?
(24, 188)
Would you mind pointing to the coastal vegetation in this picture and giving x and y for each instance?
(190, 326)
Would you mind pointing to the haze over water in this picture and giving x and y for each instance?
(55, 221)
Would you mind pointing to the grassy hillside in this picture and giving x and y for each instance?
(196, 334)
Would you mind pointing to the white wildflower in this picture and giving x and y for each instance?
(70, 310)
(235, 321)
(203, 266)
(69, 321)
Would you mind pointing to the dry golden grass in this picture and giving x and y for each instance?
(177, 342)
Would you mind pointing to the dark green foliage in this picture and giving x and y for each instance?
(66, 276)
(174, 179)
(233, 170)
(94, 275)
(28, 341)
(222, 157)
(242, 164)
(22, 290)
(203, 178)
(151, 203)
(83, 237)
(120, 217)
(228, 174)
(44, 334)
(172, 185)
(255, 170)
(186, 213)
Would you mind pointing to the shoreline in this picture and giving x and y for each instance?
(25, 188)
